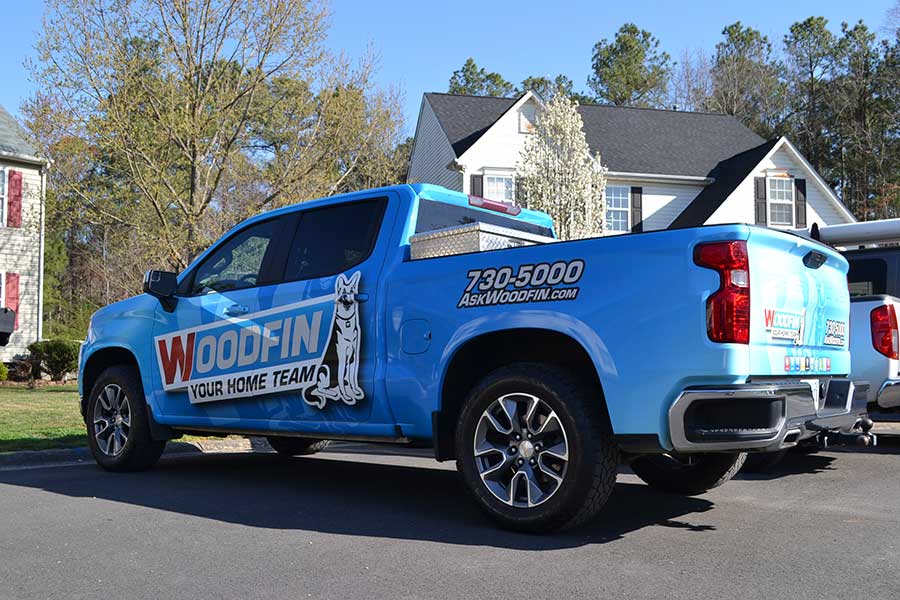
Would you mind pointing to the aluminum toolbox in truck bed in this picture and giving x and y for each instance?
(474, 237)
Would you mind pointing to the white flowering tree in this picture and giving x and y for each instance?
(559, 175)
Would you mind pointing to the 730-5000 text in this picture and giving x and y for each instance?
(526, 283)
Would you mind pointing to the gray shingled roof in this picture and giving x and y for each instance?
(12, 138)
(631, 140)
(466, 118)
(728, 175)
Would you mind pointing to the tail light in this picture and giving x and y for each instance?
(728, 309)
(884, 331)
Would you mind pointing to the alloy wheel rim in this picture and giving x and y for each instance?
(112, 420)
(521, 450)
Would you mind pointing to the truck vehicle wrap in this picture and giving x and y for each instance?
(538, 368)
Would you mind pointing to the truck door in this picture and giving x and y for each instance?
(294, 350)
(209, 334)
(333, 263)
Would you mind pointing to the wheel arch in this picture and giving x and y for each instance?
(482, 354)
(109, 356)
(99, 360)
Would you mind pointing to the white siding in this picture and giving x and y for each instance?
(499, 148)
(739, 207)
(20, 253)
(432, 153)
(662, 202)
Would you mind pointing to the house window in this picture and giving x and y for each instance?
(617, 208)
(3, 187)
(499, 187)
(781, 201)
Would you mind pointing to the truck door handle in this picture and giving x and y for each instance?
(236, 310)
(348, 299)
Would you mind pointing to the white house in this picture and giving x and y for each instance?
(22, 179)
(666, 168)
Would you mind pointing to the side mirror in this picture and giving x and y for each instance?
(162, 285)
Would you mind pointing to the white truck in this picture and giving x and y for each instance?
(874, 344)
(874, 282)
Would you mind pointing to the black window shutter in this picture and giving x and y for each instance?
(476, 185)
(760, 193)
(800, 202)
(520, 191)
(637, 214)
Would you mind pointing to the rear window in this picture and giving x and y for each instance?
(439, 215)
(867, 277)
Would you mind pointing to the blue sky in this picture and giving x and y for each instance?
(421, 43)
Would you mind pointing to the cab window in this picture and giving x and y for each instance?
(332, 239)
(867, 277)
(236, 263)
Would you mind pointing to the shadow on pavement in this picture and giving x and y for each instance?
(347, 497)
(793, 463)
(797, 462)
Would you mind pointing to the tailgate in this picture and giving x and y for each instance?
(799, 306)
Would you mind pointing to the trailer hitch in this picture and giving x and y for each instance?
(830, 437)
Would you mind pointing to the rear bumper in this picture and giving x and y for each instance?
(764, 416)
(889, 394)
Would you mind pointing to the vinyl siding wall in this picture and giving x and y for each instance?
(432, 153)
(661, 202)
(739, 207)
(498, 150)
(20, 253)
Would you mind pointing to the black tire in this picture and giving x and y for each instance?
(590, 471)
(760, 462)
(677, 476)
(139, 451)
(294, 446)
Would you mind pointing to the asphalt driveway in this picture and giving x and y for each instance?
(347, 525)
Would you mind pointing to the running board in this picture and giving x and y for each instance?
(345, 437)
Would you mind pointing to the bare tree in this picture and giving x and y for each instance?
(747, 79)
(892, 20)
(691, 87)
(195, 113)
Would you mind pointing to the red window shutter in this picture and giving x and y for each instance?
(11, 291)
(14, 199)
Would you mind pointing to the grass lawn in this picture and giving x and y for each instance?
(42, 418)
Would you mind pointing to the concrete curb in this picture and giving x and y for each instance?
(25, 458)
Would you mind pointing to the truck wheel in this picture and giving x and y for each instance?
(118, 428)
(760, 462)
(294, 446)
(534, 449)
(688, 474)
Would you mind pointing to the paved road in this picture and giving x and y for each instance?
(344, 525)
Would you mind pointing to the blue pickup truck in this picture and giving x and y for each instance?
(539, 367)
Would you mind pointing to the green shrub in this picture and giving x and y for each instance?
(56, 357)
(4, 372)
